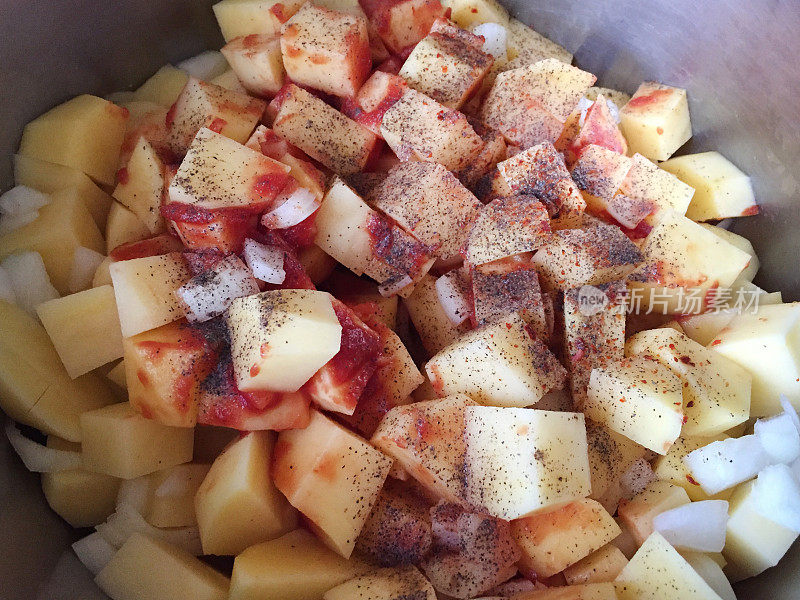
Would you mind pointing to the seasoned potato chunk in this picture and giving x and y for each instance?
(599, 173)
(385, 584)
(601, 566)
(665, 192)
(434, 327)
(140, 185)
(597, 128)
(402, 23)
(257, 63)
(638, 513)
(526, 46)
(467, 13)
(245, 17)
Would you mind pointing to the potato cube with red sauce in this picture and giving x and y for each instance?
(238, 18)
(257, 62)
(374, 98)
(402, 23)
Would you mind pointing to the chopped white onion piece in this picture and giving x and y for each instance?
(210, 293)
(584, 104)
(29, 279)
(38, 458)
(725, 463)
(205, 66)
(94, 552)
(125, 521)
(22, 200)
(495, 40)
(637, 477)
(698, 526)
(614, 110)
(9, 223)
(453, 297)
(391, 287)
(300, 205)
(135, 493)
(84, 266)
(789, 409)
(779, 437)
(776, 496)
(266, 262)
(7, 287)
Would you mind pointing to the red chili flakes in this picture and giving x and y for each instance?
(691, 480)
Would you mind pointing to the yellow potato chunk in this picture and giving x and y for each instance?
(589, 591)
(610, 456)
(331, 476)
(35, 389)
(656, 569)
(117, 375)
(743, 244)
(245, 17)
(385, 584)
(500, 364)
(118, 441)
(171, 503)
(671, 467)
(435, 329)
(526, 46)
(237, 504)
(123, 227)
(600, 566)
(229, 81)
(658, 188)
(655, 121)
(163, 87)
(144, 288)
(148, 569)
(553, 541)
(522, 461)
(467, 13)
(140, 185)
(765, 344)
(256, 62)
(50, 177)
(80, 497)
(84, 329)
(638, 398)
(85, 133)
(269, 338)
(296, 566)
(62, 226)
(638, 513)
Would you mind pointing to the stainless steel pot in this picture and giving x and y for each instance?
(736, 58)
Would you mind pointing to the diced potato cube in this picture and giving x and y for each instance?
(163, 87)
(639, 398)
(523, 461)
(118, 441)
(140, 186)
(721, 189)
(117, 375)
(743, 244)
(600, 566)
(172, 501)
(296, 566)
(429, 202)
(63, 225)
(494, 150)
(403, 23)
(237, 504)
(326, 50)
(526, 46)
(332, 476)
(417, 127)
(148, 569)
(753, 543)
(553, 541)
(123, 227)
(434, 327)
(656, 120)
(50, 177)
(665, 192)
(269, 335)
(426, 438)
(673, 469)
(593, 256)
(80, 497)
(144, 288)
(385, 584)
(202, 104)
(499, 364)
(35, 389)
(594, 127)
(619, 98)
(230, 81)
(323, 132)
(657, 497)
(448, 64)
(775, 366)
(84, 328)
(589, 591)
(657, 567)
(467, 13)
(85, 133)
(238, 18)
(257, 63)
(220, 173)
(610, 457)
(599, 173)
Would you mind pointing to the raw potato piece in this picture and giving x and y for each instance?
(638, 514)
(589, 591)
(118, 441)
(611, 455)
(148, 569)
(172, 500)
(237, 504)
(84, 328)
(245, 17)
(655, 121)
(721, 189)
(499, 364)
(599, 173)
(163, 87)
(296, 566)
(385, 584)
(434, 327)
(553, 541)
(332, 476)
(85, 133)
(526, 46)
(657, 569)
(123, 227)
(639, 398)
(323, 132)
(257, 63)
(522, 461)
(716, 391)
(467, 13)
(326, 50)
(270, 334)
(743, 244)
(599, 567)
(144, 288)
(417, 127)
(661, 189)
(402, 23)
(433, 452)
(672, 468)
(140, 185)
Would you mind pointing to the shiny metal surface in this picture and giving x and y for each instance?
(737, 59)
